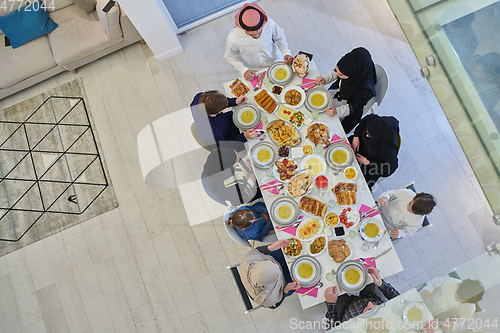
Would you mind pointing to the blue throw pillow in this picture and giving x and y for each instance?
(26, 24)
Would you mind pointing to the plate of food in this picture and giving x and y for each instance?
(300, 184)
(340, 250)
(316, 162)
(239, 88)
(284, 169)
(284, 210)
(318, 99)
(284, 134)
(339, 156)
(264, 154)
(351, 275)
(345, 193)
(294, 249)
(277, 89)
(318, 245)
(332, 219)
(293, 96)
(413, 315)
(350, 173)
(295, 117)
(371, 230)
(312, 206)
(349, 217)
(319, 133)
(307, 270)
(280, 73)
(300, 65)
(308, 229)
(266, 101)
(246, 117)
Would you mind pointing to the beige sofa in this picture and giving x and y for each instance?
(80, 38)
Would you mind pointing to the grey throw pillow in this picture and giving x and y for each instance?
(86, 5)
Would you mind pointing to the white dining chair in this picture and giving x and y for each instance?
(380, 87)
(234, 234)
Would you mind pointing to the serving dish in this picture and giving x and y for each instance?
(309, 229)
(285, 94)
(271, 73)
(281, 206)
(246, 117)
(315, 276)
(351, 287)
(334, 156)
(371, 230)
(318, 91)
(264, 154)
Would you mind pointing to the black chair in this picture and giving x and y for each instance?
(243, 292)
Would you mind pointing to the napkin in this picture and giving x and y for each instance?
(271, 187)
(369, 263)
(254, 81)
(313, 293)
(304, 81)
(290, 230)
(365, 208)
(259, 126)
(337, 139)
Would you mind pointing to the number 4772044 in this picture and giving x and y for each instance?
(11, 5)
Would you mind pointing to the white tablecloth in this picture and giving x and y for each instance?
(388, 264)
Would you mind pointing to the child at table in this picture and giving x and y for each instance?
(252, 222)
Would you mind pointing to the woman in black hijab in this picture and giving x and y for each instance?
(355, 78)
(375, 144)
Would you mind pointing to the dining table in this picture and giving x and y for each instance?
(388, 264)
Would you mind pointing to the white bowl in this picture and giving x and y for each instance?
(326, 244)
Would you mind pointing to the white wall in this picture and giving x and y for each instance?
(154, 24)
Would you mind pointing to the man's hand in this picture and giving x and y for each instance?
(278, 245)
(375, 275)
(369, 306)
(331, 111)
(361, 159)
(242, 99)
(355, 144)
(292, 286)
(288, 59)
(383, 201)
(331, 294)
(394, 233)
(426, 294)
(249, 75)
(320, 80)
(250, 134)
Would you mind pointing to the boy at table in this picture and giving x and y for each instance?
(343, 308)
(213, 124)
(403, 211)
(251, 45)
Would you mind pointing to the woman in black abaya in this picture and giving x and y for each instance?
(354, 77)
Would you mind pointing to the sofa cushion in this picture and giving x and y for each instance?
(26, 24)
(32, 58)
(53, 5)
(110, 21)
(78, 36)
(87, 5)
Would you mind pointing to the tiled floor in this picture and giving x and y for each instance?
(143, 268)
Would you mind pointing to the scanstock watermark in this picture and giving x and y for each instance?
(369, 324)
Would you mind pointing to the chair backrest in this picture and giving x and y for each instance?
(241, 288)
(382, 83)
(203, 144)
(210, 192)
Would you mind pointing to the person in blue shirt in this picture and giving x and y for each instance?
(213, 124)
(252, 222)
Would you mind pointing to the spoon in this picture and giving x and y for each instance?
(318, 285)
(376, 244)
(308, 168)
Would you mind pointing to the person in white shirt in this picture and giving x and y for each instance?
(403, 211)
(256, 42)
(452, 301)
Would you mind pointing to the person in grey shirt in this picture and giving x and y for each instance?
(403, 211)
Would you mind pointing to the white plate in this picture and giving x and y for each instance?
(414, 324)
(300, 196)
(321, 93)
(330, 132)
(287, 68)
(303, 223)
(346, 258)
(287, 117)
(302, 94)
(289, 124)
(356, 173)
(314, 278)
(334, 197)
(238, 120)
(267, 146)
(309, 214)
(312, 240)
(272, 96)
(313, 275)
(311, 172)
(358, 269)
(283, 204)
(356, 218)
(380, 226)
(275, 168)
(242, 81)
(301, 252)
(344, 148)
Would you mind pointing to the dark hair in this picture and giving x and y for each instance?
(241, 219)
(214, 101)
(470, 291)
(423, 203)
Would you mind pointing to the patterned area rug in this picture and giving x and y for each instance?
(52, 171)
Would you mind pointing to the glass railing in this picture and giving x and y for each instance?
(457, 44)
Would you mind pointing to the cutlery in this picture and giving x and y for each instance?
(257, 84)
(376, 257)
(308, 168)
(296, 224)
(318, 285)
(260, 78)
(376, 244)
(364, 262)
(333, 142)
(368, 212)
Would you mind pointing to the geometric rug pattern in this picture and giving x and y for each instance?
(53, 174)
(49, 163)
